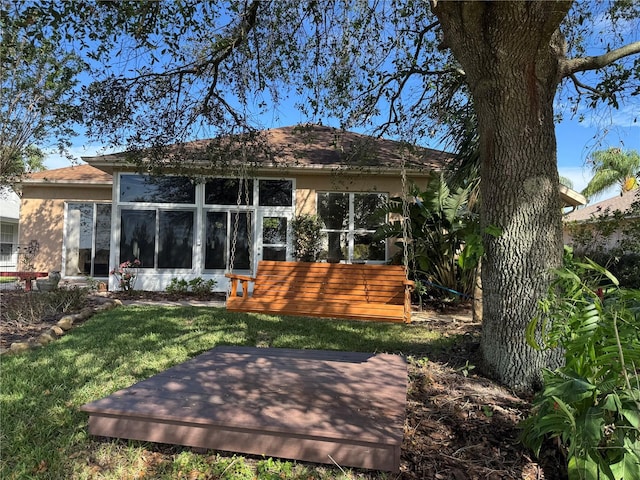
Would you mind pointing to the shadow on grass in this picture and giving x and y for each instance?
(42, 390)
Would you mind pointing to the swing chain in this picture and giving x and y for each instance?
(406, 219)
(243, 185)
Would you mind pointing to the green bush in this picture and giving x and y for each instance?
(307, 237)
(196, 286)
(200, 287)
(177, 286)
(625, 267)
(612, 239)
(592, 403)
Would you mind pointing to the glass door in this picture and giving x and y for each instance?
(273, 238)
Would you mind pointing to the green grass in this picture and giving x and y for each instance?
(8, 280)
(44, 435)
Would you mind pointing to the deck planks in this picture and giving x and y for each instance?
(310, 405)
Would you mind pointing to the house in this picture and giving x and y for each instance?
(194, 221)
(605, 225)
(224, 205)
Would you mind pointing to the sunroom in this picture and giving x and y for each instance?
(207, 222)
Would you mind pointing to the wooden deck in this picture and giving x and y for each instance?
(310, 405)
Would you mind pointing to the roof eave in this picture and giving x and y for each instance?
(116, 164)
(571, 198)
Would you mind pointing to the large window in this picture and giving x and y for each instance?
(138, 237)
(224, 191)
(87, 239)
(223, 231)
(173, 237)
(351, 220)
(173, 222)
(156, 189)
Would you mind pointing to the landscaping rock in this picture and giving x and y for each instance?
(59, 329)
(66, 322)
(104, 307)
(56, 330)
(45, 339)
(84, 313)
(19, 347)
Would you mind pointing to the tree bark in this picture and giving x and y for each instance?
(513, 69)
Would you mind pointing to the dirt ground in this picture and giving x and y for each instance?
(459, 425)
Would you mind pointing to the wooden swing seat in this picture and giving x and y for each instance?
(353, 291)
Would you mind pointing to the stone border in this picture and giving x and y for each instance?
(60, 328)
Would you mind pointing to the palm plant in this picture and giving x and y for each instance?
(441, 225)
(613, 166)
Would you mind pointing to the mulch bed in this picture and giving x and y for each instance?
(459, 425)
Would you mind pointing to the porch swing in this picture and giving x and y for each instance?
(328, 290)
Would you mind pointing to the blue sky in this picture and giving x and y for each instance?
(599, 130)
(576, 141)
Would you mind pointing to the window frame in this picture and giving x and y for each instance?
(94, 219)
(351, 231)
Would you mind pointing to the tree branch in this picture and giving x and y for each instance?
(583, 64)
(580, 85)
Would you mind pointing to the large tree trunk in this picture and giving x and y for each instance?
(506, 51)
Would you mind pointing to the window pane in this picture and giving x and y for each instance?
(215, 255)
(365, 248)
(276, 193)
(365, 210)
(274, 230)
(274, 253)
(138, 236)
(156, 189)
(333, 209)
(175, 239)
(79, 239)
(102, 235)
(335, 247)
(242, 241)
(224, 191)
(7, 232)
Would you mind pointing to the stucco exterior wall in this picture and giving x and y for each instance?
(42, 218)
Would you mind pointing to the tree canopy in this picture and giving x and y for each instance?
(169, 71)
(37, 79)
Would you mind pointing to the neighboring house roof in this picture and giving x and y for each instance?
(606, 207)
(77, 174)
(571, 198)
(305, 147)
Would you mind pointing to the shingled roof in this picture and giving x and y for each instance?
(300, 147)
(605, 207)
(77, 174)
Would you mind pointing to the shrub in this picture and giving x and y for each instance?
(612, 239)
(126, 274)
(196, 286)
(177, 286)
(592, 403)
(307, 237)
(32, 307)
(200, 287)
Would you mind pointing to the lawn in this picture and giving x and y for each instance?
(44, 435)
